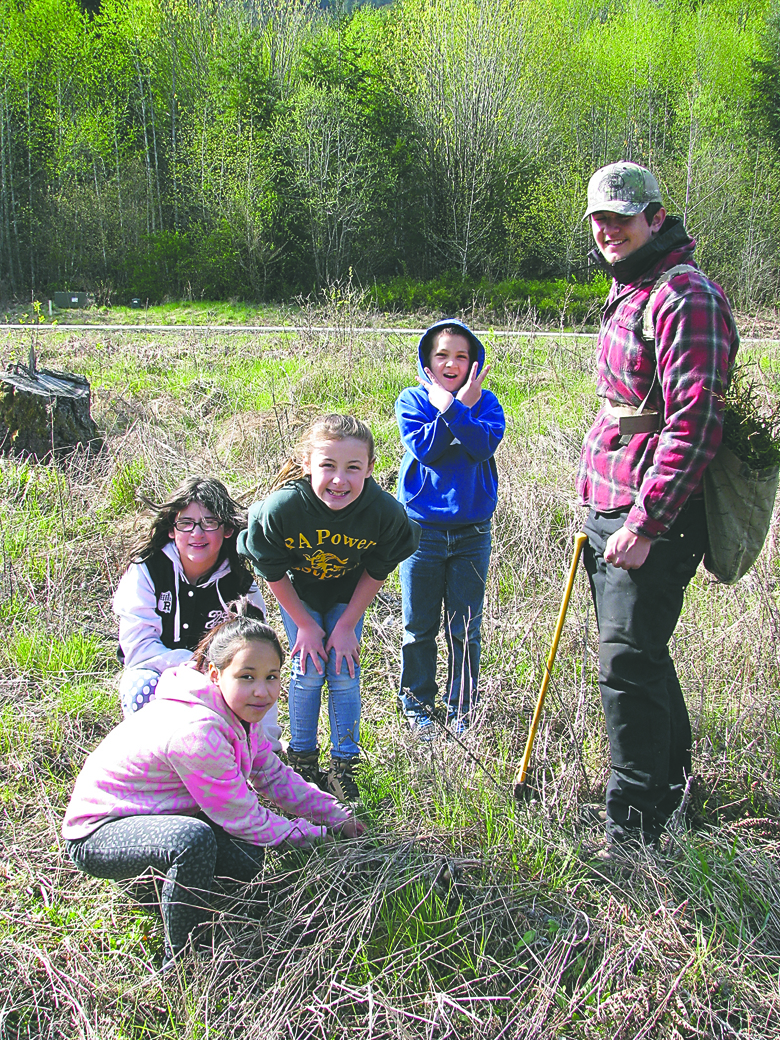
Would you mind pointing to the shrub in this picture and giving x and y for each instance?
(555, 300)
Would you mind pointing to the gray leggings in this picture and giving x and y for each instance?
(187, 850)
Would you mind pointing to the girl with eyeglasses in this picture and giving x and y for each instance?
(183, 571)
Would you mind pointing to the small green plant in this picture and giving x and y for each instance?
(125, 485)
(37, 653)
(752, 433)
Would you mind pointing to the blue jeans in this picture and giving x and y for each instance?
(306, 692)
(450, 567)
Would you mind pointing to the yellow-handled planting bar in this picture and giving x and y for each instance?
(520, 779)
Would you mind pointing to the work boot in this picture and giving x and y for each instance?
(594, 813)
(340, 780)
(306, 764)
(623, 856)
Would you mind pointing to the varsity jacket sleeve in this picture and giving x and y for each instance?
(255, 597)
(695, 341)
(207, 765)
(140, 626)
(479, 429)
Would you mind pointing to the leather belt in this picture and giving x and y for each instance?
(631, 420)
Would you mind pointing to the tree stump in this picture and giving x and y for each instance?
(44, 414)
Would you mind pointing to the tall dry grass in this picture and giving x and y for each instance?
(461, 913)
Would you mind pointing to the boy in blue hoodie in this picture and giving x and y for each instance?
(450, 427)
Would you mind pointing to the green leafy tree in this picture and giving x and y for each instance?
(460, 67)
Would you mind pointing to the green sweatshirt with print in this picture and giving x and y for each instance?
(325, 551)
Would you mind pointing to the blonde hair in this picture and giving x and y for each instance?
(326, 428)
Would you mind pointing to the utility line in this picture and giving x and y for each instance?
(324, 329)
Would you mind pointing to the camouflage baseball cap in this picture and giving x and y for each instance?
(622, 187)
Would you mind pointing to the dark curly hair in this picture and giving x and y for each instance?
(212, 494)
(245, 623)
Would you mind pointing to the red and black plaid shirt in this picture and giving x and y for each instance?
(696, 342)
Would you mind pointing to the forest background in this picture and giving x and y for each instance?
(258, 149)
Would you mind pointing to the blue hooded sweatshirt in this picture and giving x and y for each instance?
(448, 476)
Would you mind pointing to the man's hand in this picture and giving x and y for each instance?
(344, 641)
(471, 391)
(439, 397)
(627, 550)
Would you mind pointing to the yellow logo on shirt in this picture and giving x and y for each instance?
(326, 565)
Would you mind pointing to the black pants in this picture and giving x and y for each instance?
(187, 850)
(646, 716)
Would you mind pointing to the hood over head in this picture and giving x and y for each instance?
(426, 342)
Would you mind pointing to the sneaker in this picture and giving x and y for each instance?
(306, 764)
(423, 727)
(340, 781)
(458, 724)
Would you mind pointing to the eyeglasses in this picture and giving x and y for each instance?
(208, 523)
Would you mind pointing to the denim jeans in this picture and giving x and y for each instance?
(450, 568)
(306, 692)
(645, 712)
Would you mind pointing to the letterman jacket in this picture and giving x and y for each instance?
(162, 617)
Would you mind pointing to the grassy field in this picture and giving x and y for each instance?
(461, 913)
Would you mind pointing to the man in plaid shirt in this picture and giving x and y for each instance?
(641, 476)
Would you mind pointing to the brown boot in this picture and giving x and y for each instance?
(306, 764)
(340, 780)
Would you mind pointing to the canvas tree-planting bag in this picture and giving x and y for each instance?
(738, 502)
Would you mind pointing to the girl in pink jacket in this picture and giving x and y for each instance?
(169, 788)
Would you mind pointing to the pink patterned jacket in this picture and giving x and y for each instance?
(187, 752)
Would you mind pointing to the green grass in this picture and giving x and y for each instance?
(461, 913)
(176, 312)
(37, 654)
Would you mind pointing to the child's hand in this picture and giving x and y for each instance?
(310, 643)
(471, 391)
(351, 828)
(344, 641)
(438, 395)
